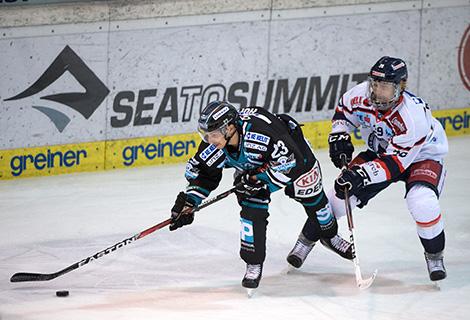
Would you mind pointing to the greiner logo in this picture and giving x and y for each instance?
(151, 151)
(85, 103)
(456, 122)
(48, 160)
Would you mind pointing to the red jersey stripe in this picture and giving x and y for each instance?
(421, 141)
(385, 167)
(430, 223)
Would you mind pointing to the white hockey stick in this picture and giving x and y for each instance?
(361, 283)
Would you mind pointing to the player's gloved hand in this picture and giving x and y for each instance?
(353, 179)
(181, 213)
(247, 186)
(340, 146)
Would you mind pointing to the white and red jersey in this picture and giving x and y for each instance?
(403, 135)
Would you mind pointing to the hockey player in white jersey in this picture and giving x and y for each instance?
(404, 143)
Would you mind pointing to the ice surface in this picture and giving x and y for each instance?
(47, 224)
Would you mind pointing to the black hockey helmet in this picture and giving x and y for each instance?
(388, 71)
(217, 115)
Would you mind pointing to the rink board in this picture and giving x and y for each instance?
(145, 78)
(150, 151)
(116, 154)
(51, 160)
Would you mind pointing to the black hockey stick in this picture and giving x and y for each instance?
(361, 283)
(27, 276)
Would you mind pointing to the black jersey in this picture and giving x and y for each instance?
(272, 147)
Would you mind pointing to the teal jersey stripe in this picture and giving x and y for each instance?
(255, 205)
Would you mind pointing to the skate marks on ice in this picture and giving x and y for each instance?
(194, 257)
(166, 254)
(333, 284)
(92, 301)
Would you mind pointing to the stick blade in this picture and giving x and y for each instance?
(364, 284)
(26, 276)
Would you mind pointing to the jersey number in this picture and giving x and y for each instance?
(379, 131)
(399, 153)
(417, 100)
(280, 149)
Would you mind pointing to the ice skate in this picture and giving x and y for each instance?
(252, 278)
(339, 246)
(299, 253)
(435, 264)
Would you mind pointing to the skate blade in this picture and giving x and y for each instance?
(437, 285)
(366, 283)
(288, 269)
(250, 293)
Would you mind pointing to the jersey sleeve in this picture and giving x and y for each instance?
(344, 119)
(204, 172)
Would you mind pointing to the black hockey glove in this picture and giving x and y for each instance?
(181, 212)
(353, 179)
(340, 144)
(245, 186)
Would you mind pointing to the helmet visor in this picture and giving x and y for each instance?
(214, 135)
(383, 94)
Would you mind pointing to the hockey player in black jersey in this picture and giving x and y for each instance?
(269, 153)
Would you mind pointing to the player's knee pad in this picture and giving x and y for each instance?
(253, 234)
(423, 205)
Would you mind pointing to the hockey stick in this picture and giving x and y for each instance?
(361, 283)
(26, 276)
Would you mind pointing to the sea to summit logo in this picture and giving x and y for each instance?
(85, 103)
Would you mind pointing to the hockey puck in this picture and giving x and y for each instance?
(62, 293)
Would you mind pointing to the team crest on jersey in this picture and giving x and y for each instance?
(257, 137)
(364, 118)
(398, 125)
(283, 164)
(205, 154)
